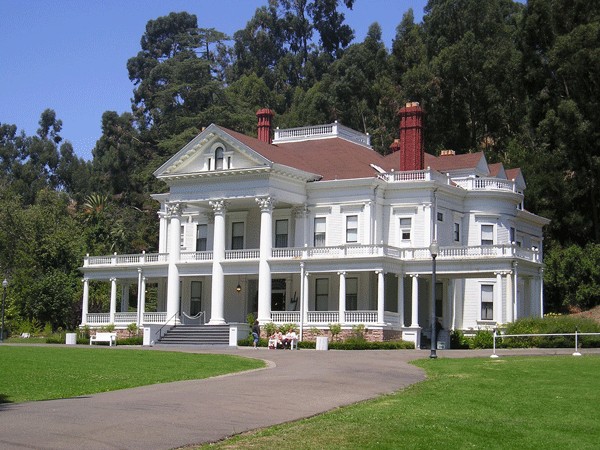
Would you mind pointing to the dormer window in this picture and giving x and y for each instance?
(219, 158)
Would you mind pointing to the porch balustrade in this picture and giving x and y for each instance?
(285, 316)
(125, 318)
(322, 317)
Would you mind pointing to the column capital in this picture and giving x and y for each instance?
(265, 203)
(218, 206)
(85, 279)
(342, 273)
(112, 279)
(413, 275)
(174, 209)
(300, 211)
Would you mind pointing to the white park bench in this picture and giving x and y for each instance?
(104, 337)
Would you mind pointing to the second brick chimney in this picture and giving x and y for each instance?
(264, 124)
(411, 137)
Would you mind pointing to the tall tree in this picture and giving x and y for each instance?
(561, 73)
(474, 60)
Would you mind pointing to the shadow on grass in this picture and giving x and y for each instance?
(4, 399)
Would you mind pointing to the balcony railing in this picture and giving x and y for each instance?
(334, 252)
(485, 184)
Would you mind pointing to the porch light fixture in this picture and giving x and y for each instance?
(238, 288)
(4, 286)
(434, 249)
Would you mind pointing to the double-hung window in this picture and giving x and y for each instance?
(320, 229)
(405, 228)
(351, 294)
(201, 237)
(487, 234)
(281, 233)
(487, 302)
(237, 235)
(321, 294)
(351, 229)
(456, 232)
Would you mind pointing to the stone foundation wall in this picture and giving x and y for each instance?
(371, 335)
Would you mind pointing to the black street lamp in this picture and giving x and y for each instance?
(434, 249)
(4, 285)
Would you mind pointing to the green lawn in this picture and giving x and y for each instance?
(510, 403)
(41, 373)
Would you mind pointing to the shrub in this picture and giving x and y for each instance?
(550, 325)
(285, 328)
(109, 328)
(133, 340)
(84, 332)
(482, 339)
(132, 329)
(335, 329)
(458, 340)
(249, 342)
(269, 328)
(357, 337)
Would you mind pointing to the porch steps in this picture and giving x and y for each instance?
(196, 335)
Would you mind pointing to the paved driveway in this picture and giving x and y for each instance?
(296, 384)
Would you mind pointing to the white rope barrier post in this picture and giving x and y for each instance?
(494, 352)
(576, 353)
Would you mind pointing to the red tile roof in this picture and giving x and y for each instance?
(332, 158)
(338, 159)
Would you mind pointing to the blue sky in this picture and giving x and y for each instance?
(71, 55)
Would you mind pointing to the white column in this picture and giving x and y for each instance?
(142, 299)
(415, 301)
(264, 270)
(174, 214)
(400, 299)
(302, 299)
(140, 314)
(516, 293)
(125, 297)
(498, 298)
(452, 295)
(86, 301)
(305, 311)
(217, 300)
(509, 298)
(448, 317)
(541, 278)
(380, 296)
(113, 300)
(342, 297)
(163, 235)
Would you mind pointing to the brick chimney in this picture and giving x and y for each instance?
(264, 124)
(411, 137)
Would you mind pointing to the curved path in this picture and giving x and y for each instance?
(296, 384)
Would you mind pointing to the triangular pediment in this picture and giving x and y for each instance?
(212, 151)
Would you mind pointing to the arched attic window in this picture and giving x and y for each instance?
(219, 158)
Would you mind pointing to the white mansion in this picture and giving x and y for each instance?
(314, 227)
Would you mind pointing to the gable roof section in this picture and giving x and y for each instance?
(517, 175)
